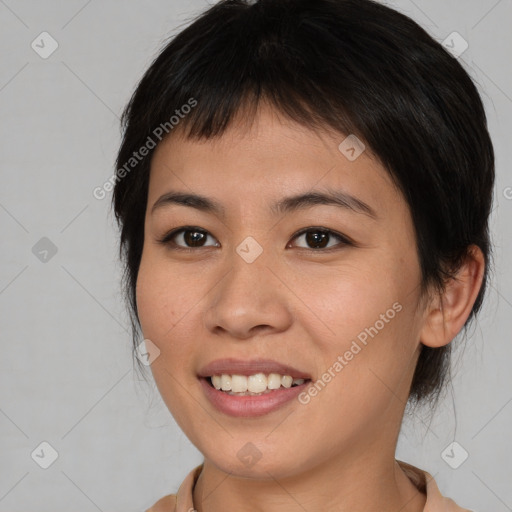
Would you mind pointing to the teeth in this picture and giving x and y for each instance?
(217, 381)
(257, 383)
(286, 381)
(254, 384)
(274, 381)
(225, 382)
(238, 383)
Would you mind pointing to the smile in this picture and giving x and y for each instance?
(251, 388)
(253, 385)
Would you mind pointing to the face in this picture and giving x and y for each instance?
(314, 289)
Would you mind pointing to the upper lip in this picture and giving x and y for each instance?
(250, 367)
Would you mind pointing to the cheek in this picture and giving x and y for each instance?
(167, 308)
(365, 315)
(161, 299)
(160, 303)
(149, 295)
(343, 302)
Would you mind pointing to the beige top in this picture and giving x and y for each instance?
(424, 482)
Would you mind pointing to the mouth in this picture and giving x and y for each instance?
(251, 388)
(252, 385)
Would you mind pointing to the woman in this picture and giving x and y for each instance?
(303, 189)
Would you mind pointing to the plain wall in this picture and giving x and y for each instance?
(66, 373)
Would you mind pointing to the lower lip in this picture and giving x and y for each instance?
(246, 406)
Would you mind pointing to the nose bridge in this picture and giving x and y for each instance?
(249, 279)
(249, 266)
(246, 296)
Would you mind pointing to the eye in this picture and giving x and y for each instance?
(320, 238)
(188, 238)
(191, 236)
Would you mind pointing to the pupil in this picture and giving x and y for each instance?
(193, 238)
(315, 237)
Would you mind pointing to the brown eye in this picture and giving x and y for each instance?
(320, 238)
(316, 239)
(194, 238)
(187, 237)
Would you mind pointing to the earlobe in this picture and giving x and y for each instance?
(446, 315)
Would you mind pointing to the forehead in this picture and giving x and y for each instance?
(270, 157)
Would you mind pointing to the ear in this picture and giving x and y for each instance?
(446, 314)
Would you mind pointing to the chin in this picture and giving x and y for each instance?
(252, 462)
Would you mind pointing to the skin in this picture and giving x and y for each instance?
(294, 304)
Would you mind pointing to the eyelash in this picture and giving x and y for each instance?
(167, 238)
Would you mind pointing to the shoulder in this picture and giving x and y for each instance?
(426, 484)
(165, 504)
(437, 502)
(169, 502)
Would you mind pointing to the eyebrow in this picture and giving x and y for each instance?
(289, 204)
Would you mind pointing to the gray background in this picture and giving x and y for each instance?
(66, 373)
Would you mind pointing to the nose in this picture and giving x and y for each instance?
(249, 300)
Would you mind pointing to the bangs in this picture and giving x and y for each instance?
(271, 52)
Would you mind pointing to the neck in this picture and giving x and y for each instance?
(340, 484)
